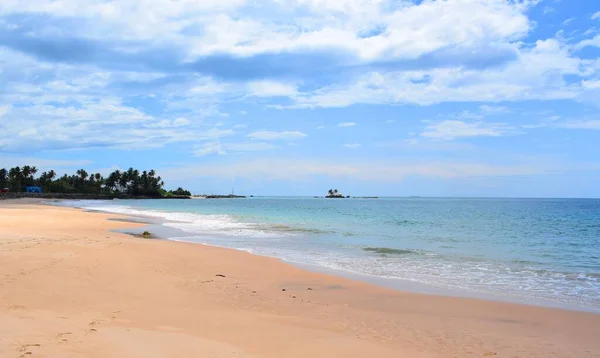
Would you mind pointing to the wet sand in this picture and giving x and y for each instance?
(70, 287)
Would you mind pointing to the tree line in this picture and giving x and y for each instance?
(130, 182)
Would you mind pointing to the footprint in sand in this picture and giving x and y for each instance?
(62, 336)
(24, 349)
(93, 324)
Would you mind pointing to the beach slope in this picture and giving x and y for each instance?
(70, 287)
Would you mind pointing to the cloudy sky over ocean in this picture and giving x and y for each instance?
(383, 97)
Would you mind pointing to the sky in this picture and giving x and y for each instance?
(293, 97)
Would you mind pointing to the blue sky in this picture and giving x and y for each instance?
(373, 97)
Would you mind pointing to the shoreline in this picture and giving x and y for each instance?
(117, 292)
(155, 225)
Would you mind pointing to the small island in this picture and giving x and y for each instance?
(334, 193)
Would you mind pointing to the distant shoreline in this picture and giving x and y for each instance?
(346, 197)
(215, 196)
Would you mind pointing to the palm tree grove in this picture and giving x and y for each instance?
(131, 182)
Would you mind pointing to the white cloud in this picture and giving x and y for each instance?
(217, 148)
(216, 27)
(79, 107)
(3, 110)
(374, 171)
(86, 122)
(272, 135)
(207, 86)
(452, 129)
(346, 124)
(271, 89)
(591, 84)
(548, 10)
(180, 122)
(75, 105)
(249, 146)
(41, 164)
(493, 110)
(404, 32)
(593, 124)
(165, 123)
(596, 16)
(426, 145)
(468, 115)
(593, 42)
(352, 145)
(210, 149)
(538, 73)
(409, 33)
(320, 127)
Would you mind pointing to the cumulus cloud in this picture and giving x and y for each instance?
(80, 76)
(217, 27)
(538, 73)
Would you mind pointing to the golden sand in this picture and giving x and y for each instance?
(69, 287)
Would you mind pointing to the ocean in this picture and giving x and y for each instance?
(535, 251)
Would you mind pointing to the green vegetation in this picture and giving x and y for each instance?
(334, 193)
(131, 182)
(180, 191)
(146, 235)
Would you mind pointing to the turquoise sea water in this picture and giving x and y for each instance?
(543, 251)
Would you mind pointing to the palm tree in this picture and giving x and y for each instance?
(114, 180)
(27, 174)
(45, 180)
(124, 181)
(82, 174)
(15, 179)
(335, 191)
(3, 178)
(330, 192)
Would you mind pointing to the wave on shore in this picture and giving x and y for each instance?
(358, 250)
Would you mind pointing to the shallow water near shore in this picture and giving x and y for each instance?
(538, 251)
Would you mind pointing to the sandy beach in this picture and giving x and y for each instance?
(70, 287)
